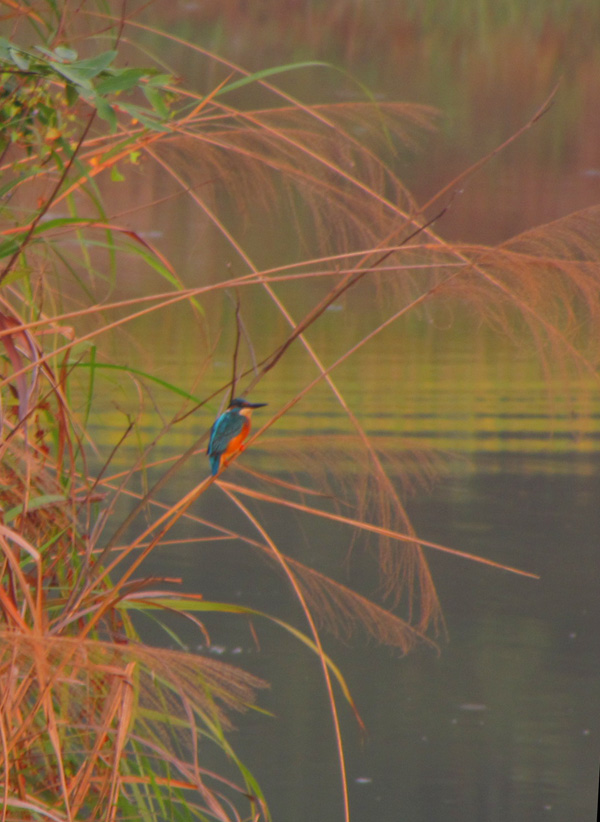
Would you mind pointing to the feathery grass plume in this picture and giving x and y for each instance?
(90, 726)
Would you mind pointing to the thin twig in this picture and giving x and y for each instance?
(348, 282)
(452, 185)
(236, 348)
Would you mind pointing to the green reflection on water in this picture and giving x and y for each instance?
(431, 390)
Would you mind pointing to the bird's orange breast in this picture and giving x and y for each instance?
(234, 444)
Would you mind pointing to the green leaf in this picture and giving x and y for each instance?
(47, 52)
(19, 59)
(92, 380)
(82, 72)
(58, 222)
(73, 76)
(121, 80)
(71, 93)
(145, 117)
(107, 112)
(260, 75)
(39, 502)
(98, 366)
(160, 80)
(65, 53)
(94, 65)
(8, 247)
(161, 269)
(155, 99)
(115, 175)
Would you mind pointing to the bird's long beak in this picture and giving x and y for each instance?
(255, 404)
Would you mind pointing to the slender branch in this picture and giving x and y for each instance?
(237, 345)
(452, 185)
(347, 283)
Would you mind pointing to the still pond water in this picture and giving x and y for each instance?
(502, 725)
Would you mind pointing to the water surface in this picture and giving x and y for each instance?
(503, 723)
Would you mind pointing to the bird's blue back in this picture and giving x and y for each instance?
(224, 429)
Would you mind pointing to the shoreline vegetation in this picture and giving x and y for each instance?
(95, 723)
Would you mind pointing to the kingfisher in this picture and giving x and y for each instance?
(229, 431)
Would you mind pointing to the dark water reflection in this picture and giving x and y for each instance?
(502, 724)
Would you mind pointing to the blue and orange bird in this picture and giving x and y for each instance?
(229, 431)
